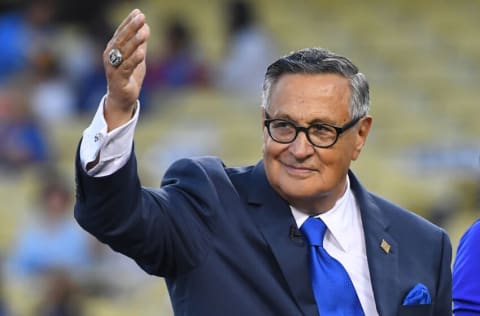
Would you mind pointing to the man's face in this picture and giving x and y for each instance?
(308, 177)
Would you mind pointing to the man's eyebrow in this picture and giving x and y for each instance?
(316, 120)
(284, 116)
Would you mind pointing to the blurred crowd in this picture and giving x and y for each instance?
(51, 72)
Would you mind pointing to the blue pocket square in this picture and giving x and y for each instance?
(418, 295)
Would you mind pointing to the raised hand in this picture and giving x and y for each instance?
(125, 78)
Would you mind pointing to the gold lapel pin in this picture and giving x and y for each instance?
(385, 246)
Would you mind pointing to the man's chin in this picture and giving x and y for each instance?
(304, 198)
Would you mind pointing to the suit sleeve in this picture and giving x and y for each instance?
(466, 273)
(167, 231)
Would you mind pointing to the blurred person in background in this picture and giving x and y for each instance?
(52, 248)
(23, 142)
(466, 273)
(52, 96)
(90, 87)
(61, 296)
(179, 64)
(249, 50)
(51, 239)
(250, 240)
(25, 27)
(82, 62)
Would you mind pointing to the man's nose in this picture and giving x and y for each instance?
(301, 146)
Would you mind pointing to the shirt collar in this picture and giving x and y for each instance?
(338, 219)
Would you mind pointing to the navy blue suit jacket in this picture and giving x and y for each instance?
(227, 243)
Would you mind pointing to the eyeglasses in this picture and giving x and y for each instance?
(319, 135)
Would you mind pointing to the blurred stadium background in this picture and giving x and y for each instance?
(422, 62)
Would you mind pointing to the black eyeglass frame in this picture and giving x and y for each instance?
(338, 129)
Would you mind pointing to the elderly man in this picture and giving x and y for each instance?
(296, 234)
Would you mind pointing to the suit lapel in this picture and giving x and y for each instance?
(274, 219)
(382, 259)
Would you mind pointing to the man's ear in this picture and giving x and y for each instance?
(362, 131)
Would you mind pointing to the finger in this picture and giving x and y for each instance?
(125, 70)
(128, 32)
(127, 20)
(138, 39)
(139, 56)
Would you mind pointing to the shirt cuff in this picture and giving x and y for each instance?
(112, 148)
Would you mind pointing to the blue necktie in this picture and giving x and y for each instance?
(333, 289)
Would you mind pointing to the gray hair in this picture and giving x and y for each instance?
(320, 61)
